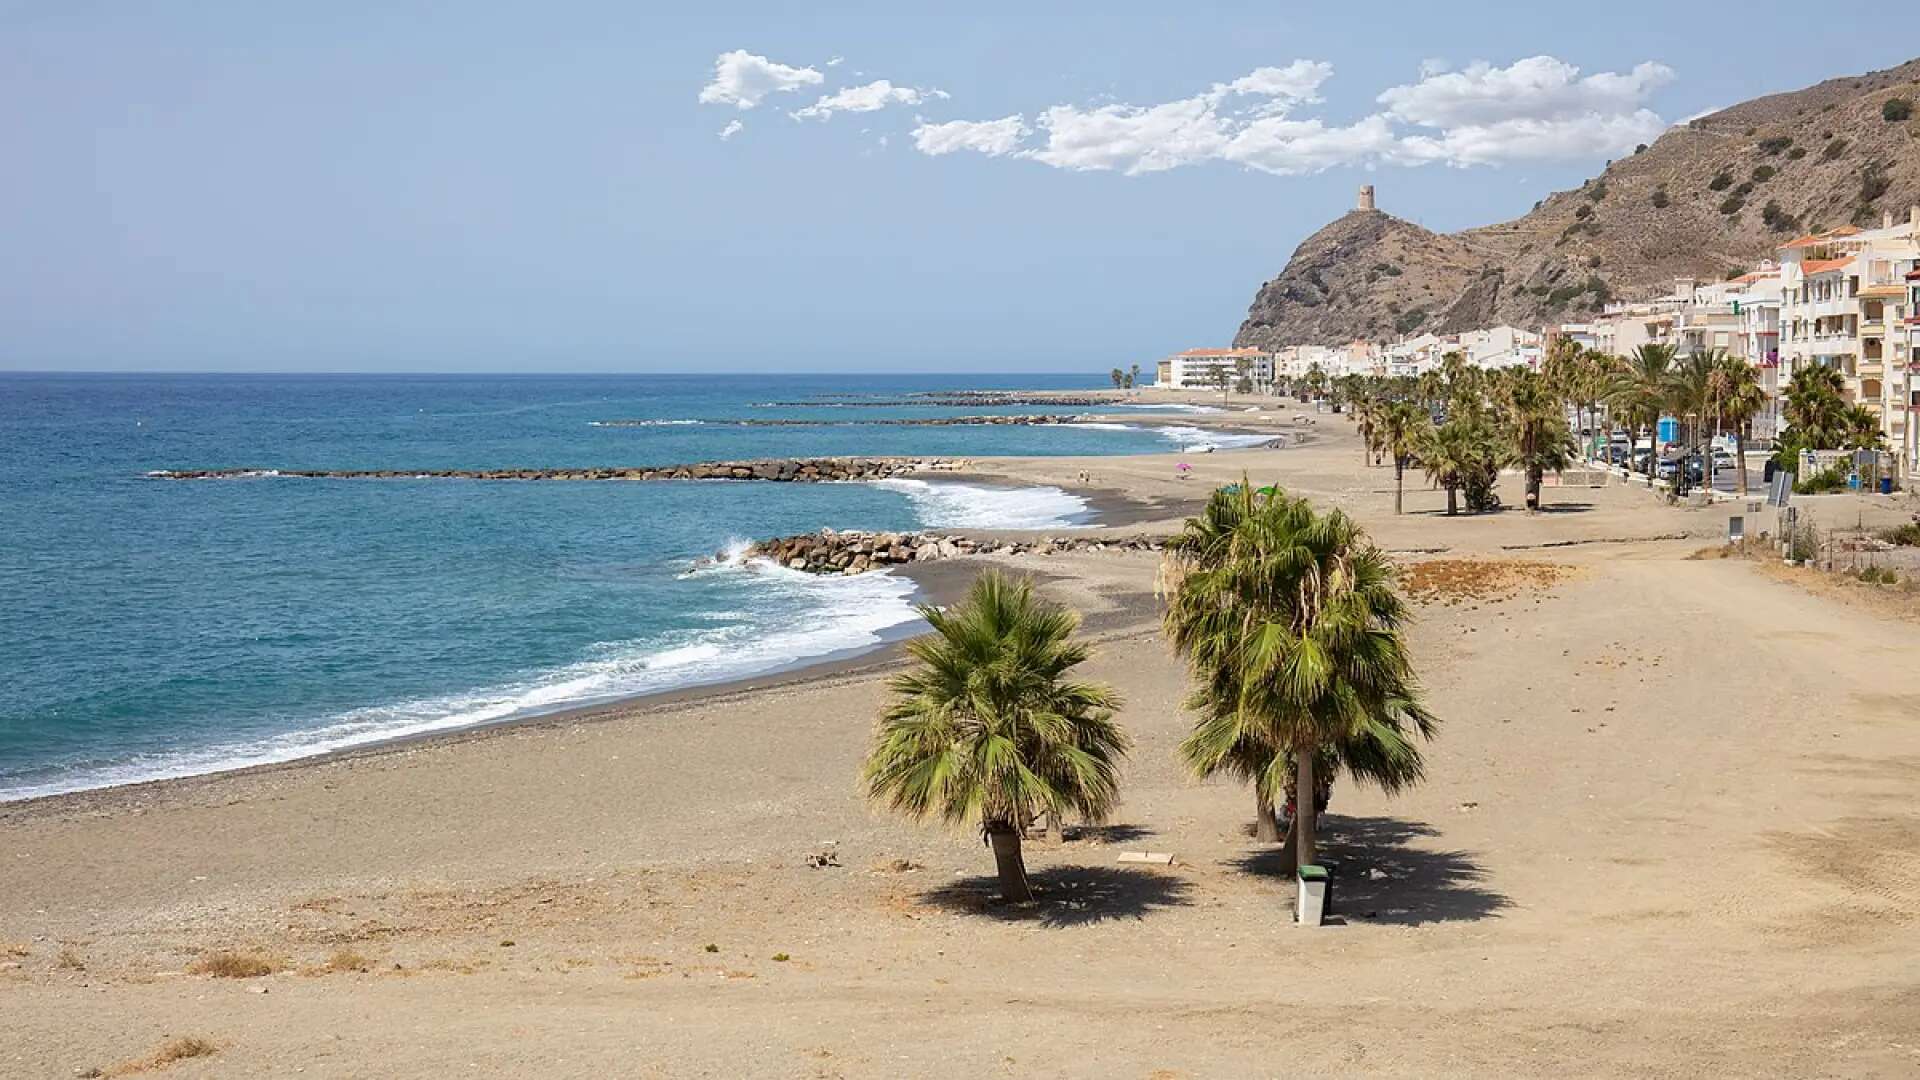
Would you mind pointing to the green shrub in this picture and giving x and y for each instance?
(1776, 144)
(1597, 191)
(1777, 219)
(1660, 199)
(1410, 321)
(1796, 153)
(1834, 151)
(1874, 182)
(1764, 173)
(1831, 478)
(1732, 204)
(1907, 535)
(1721, 181)
(1896, 110)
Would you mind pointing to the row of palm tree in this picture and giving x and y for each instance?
(1290, 623)
(1463, 425)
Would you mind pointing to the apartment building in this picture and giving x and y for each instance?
(1198, 369)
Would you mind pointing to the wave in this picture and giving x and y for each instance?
(1101, 425)
(799, 619)
(1193, 438)
(647, 423)
(976, 506)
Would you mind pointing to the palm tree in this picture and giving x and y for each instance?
(1290, 624)
(1541, 440)
(1402, 428)
(1862, 426)
(988, 728)
(1816, 407)
(1463, 453)
(1133, 376)
(1736, 387)
(1641, 391)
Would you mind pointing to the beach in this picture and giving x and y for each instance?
(1666, 830)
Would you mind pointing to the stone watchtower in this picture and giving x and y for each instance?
(1366, 198)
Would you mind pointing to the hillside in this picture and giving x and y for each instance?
(1704, 200)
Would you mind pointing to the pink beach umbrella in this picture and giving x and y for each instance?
(1183, 469)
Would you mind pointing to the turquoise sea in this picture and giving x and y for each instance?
(152, 628)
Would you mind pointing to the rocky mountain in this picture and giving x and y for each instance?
(1706, 200)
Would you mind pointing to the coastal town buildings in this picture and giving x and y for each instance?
(1846, 299)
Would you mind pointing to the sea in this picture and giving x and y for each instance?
(152, 628)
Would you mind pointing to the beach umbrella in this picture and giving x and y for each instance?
(1183, 467)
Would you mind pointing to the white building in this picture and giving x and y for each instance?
(1199, 369)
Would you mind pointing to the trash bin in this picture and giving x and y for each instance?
(1310, 905)
(1886, 485)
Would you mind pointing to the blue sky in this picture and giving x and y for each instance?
(491, 187)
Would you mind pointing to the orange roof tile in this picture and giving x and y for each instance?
(1821, 266)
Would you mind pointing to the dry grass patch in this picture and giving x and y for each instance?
(70, 961)
(173, 1050)
(228, 964)
(1451, 581)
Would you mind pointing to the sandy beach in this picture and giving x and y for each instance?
(1668, 830)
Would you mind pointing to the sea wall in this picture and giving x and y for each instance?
(851, 552)
(782, 470)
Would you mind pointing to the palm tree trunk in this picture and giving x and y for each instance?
(1056, 828)
(1534, 475)
(1007, 862)
(1451, 505)
(1740, 459)
(1399, 476)
(1266, 829)
(1305, 807)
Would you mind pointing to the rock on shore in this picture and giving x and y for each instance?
(782, 470)
(852, 552)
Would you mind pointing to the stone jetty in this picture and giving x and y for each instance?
(851, 552)
(778, 470)
(1020, 420)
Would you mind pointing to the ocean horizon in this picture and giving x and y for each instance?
(162, 629)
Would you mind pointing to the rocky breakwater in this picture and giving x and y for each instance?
(851, 552)
(1021, 419)
(779, 470)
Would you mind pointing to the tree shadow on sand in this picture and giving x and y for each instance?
(1380, 877)
(1108, 834)
(1068, 895)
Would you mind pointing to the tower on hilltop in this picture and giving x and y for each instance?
(1366, 198)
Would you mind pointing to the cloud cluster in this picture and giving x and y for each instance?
(1537, 109)
(741, 79)
(872, 97)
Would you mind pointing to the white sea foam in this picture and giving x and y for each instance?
(1193, 438)
(842, 616)
(1101, 425)
(646, 423)
(974, 506)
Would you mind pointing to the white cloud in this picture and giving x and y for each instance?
(733, 128)
(1591, 135)
(741, 79)
(1294, 147)
(869, 98)
(1142, 139)
(836, 61)
(994, 138)
(1434, 65)
(1537, 88)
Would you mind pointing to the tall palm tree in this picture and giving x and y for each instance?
(1640, 391)
(1537, 417)
(1737, 389)
(989, 728)
(1401, 429)
(1290, 624)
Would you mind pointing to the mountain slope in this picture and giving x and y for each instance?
(1703, 201)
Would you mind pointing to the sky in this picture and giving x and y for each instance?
(614, 187)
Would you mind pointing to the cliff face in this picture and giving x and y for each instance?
(1704, 201)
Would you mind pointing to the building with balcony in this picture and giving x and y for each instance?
(1200, 369)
